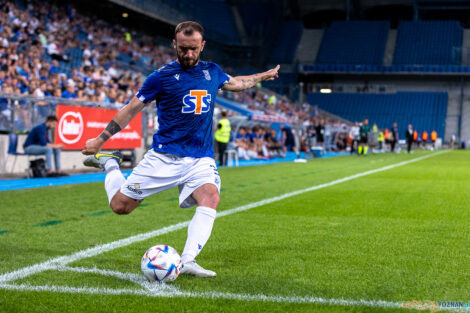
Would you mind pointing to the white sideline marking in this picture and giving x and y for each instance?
(169, 291)
(212, 295)
(83, 254)
(135, 278)
(132, 277)
(207, 295)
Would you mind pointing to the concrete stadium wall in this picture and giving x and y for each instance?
(309, 45)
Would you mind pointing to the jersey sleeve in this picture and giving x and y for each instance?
(223, 78)
(151, 88)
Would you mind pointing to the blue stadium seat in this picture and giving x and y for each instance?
(215, 15)
(428, 42)
(287, 42)
(354, 42)
(425, 110)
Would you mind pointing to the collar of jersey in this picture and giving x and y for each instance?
(188, 69)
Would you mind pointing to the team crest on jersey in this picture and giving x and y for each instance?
(197, 102)
(207, 75)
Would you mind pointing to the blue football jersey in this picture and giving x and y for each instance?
(185, 106)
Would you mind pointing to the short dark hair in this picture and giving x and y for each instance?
(52, 118)
(188, 28)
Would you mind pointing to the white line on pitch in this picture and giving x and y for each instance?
(132, 277)
(162, 293)
(83, 254)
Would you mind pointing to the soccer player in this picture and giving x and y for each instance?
(182, 152)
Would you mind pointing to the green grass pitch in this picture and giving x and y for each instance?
(362, 245)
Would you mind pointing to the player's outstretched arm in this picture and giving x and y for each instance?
(119, 121)
(240, 83)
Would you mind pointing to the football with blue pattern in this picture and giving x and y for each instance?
(161, 263)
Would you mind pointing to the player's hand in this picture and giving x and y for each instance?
(93, 146)
(272, 73)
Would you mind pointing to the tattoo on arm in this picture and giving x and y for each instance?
(249, 82)
(104, 136)
(243, 82)
(112, 128)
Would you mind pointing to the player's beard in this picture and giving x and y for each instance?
(188, 62)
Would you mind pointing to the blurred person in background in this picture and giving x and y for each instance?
(40, 142)
(380, 140)
(311, 134)
(409, 137)
(222, 136)
(327, 135)
(242, 141)
(288, 140)
(320, 132)
(394, 137)
(424, 138)
(373, 138)
(364, 130)
(259, 142)
(354, 135)
(433, 138)
(274, 147)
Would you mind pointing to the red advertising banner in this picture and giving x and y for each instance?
(78, 124)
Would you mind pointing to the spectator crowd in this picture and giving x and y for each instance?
(48, 49)
(327, 135)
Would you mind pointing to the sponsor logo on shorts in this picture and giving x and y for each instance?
(135, 189)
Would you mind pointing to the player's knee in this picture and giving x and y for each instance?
(120, 204)
(212, 200)
(120, 207)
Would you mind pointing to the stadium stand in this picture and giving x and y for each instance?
(97, 63)
(365, 68)
(256, 16)
(421, 47)
(261, 21)
(428, 42)
(287, 43)
(261, 102)
(215, 15)
(89, 53)
(354, 42)
(425, 110)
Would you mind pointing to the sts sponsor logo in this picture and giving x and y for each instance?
(197, 102)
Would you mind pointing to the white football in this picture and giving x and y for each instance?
(161, 263)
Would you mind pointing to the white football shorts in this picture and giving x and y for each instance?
(158, 172)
